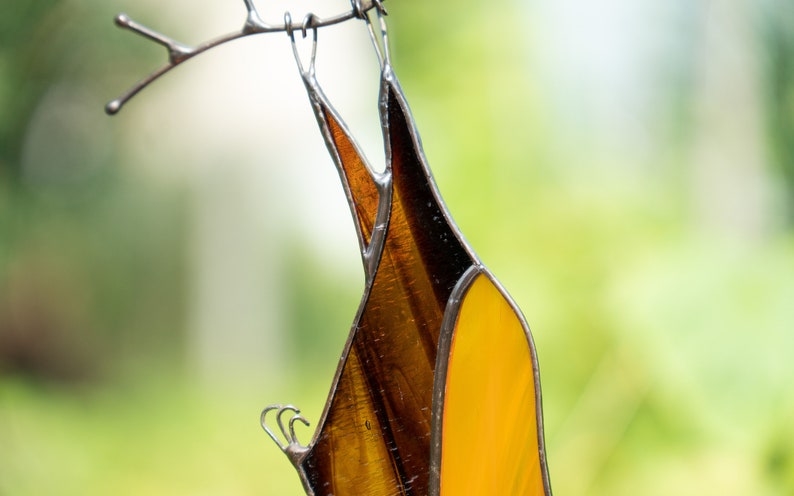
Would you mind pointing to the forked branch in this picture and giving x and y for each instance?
(179, 53)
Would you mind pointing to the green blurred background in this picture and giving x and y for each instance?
(625, 167)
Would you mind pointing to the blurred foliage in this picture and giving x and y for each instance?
(778, 31)
(664, 342)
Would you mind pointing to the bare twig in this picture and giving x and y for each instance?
(179, 53)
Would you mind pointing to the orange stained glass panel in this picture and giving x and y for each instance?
(356, 179)
(490, 438)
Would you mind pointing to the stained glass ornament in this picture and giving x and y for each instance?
(438, 388)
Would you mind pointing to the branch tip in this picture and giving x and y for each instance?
(113, 107)
(122, 20)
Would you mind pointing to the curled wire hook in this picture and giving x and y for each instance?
(287, 408)
(309, 22)
(263, 422)
(292, 444)
(295, 417)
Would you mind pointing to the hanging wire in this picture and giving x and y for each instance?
(309, 22)
(382, 46)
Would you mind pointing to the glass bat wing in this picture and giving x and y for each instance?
(437, 391)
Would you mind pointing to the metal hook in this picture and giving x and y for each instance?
(295, 417)
(287, 408)
(288, 25)
(290, 445)
(263, 422)
(309, 22)
(358, 9)
(380, 7)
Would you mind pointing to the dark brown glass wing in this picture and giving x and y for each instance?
(374, 437)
